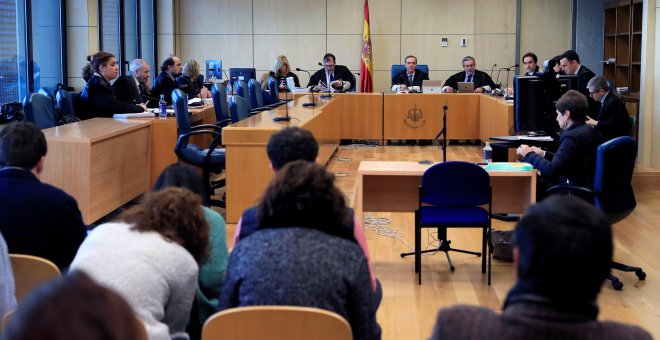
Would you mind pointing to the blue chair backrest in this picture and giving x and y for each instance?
(238, 108)
(180, 103)
(273, 88)
(615, 162)
(455, 184)
(255, 93)
(220, 105)
(65, 100)
(243, 91)
(398, 68)
(40, 110)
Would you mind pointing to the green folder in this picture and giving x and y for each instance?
(509, 166)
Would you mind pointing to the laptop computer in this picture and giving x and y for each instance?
(431, 86)
(465, 87)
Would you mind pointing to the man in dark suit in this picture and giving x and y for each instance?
(409, 77)
(612, 120)
(562, 253)
(166, 81)
(570, 64)
(336, 78)
(530, 61)
(134, 88)
(35, 218)
(481, 80)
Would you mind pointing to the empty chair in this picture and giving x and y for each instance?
(220, 105)
(31, 272)
(210, 158)
(273, 88)
(40, 110)
(276, 322)
(254, 87)
(238, 107)
(65, 101)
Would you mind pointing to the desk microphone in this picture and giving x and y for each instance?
(311, 89)
(327, 95)
(286, 117)
(491, 70)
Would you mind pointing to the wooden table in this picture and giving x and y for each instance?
(102, 162)
(394, 187)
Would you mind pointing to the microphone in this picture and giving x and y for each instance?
(512, 66)
(286, 117)
(328, 95)
(491, 70)
(311, 90)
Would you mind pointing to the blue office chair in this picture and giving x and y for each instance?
(238, 108)
(40, 110)
(612, 190)
(65, 100)
(273, 88)
(255, 93)
(451, 196)
(210, 159)
(398, 68)
(220, 105)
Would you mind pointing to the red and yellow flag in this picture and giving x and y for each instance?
(366, 80)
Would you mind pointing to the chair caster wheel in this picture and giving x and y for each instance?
(617, 285)
(640, 274)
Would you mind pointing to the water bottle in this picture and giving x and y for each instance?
(488, 153)
(229, 93)
(162, 105)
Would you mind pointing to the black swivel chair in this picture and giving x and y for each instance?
(40, 110)
(65, 102)
(612, 190)
(220, 105)
(452, 195)
(210, 159)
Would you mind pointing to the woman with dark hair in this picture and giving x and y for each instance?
(98, 98)
(74, 307)
(151, 258)
(302, 255)
(212, 271)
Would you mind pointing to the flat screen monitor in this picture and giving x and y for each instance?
(569, 82)
(213, 70)
(242, 74)
(529, 104)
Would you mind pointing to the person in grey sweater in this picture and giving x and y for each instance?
(302, 255)
(151, 259)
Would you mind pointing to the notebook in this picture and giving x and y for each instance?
(431, 86)
(465, 87)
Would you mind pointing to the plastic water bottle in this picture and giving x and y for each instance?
(488, 153)
(229, 91)
(162, 107)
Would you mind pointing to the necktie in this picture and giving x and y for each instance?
(332, 77)
(410, 79)
(469, 78)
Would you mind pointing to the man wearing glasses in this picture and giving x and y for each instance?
(612, 120)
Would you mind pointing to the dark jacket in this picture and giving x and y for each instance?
(527, 321)
(613, 119)
(164, 84)
(98, 100)
(188, 86)
(575, 159)
(128, 91)
(402, 78)
(281, 79)
(479, 79)
(341, 73)
(39, 219)
(584, 75)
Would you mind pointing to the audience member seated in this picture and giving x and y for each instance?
(280, 71)
(134, 88)
(166, 81)
(575, 160)
(481, 80)
(315, 260)
(188, 81)
(332, 77)
(212, 271)
(7, 289)
(150, 256)
(612, 120)
(288, 145)
(562, 255)
(74, 307)
(98, 98)
(35, 218)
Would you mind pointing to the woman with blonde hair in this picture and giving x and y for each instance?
(280, 71)
(189, 81)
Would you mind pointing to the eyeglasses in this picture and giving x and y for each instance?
(592, 92)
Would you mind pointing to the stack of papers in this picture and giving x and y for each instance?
(509, 166)
(133, 115)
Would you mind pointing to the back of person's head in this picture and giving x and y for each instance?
(175, 213)
(291, 144)
(87, 73)
(98, 59)
(598, 83)
(169, 61)
(137, 65)
(303, 194)
(564, 250)
(576, 103)
(570, 55)
(74, 307)
(190, 68)
(180, 175)
(22, 145)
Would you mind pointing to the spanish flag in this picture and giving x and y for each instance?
(366, 82)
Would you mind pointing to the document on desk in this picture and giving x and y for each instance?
(133, 115)
(536, 138)
(508, 166)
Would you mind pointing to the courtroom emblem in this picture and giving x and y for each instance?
(414, 118)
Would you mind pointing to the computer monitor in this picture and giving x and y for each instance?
(242, 74)
(569, 82)
(213, 70)
(529, 104)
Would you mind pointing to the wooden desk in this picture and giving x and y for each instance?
(394, 186)
(102, 162)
